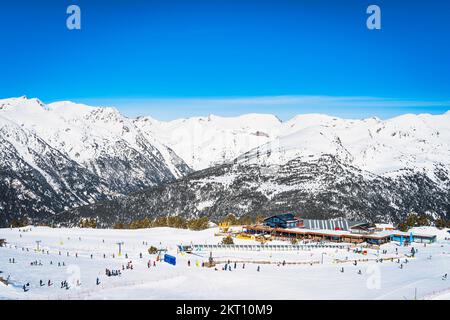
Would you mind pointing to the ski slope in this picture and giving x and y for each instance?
(421, 277)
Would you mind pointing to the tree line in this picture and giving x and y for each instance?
(415, 220)
(165, 221)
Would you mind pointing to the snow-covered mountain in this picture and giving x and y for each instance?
(61, 155)
(417, 142)
(203, 142)
(313, 165)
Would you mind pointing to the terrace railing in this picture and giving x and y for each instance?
(265, 247)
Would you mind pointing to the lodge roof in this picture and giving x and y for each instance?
(285, 217)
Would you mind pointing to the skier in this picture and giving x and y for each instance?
(24, 288)
(92, 256)
(189, 263)
(49, 283)
(258, 269)
(342, 270)
(235, 265)
(359, 271)
(41, 283)
(444, 277)
(401, 266)
(243, 266)
(140, 255)
(98, 281)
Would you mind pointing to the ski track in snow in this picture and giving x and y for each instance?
(319, 281)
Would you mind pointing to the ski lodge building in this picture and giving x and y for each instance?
(288, 226)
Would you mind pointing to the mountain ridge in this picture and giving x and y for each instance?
(112, 156)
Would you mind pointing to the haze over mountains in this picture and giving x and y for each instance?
(58, 159)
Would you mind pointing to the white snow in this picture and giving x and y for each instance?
(386, 280)
(382, 147)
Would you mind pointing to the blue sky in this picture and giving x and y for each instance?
(171, 59)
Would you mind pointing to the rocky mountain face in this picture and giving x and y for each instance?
(59, 156)
(63, 161)
(321, 188)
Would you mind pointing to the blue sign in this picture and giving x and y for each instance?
(170, 259)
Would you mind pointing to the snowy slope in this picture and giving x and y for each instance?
(312, 165)
(383, 147)
(417, 142)
(100, 151)
(316, 164)
(206, 141)
(421, 277)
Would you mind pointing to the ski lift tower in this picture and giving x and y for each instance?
(37, 244)
(120, 244)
